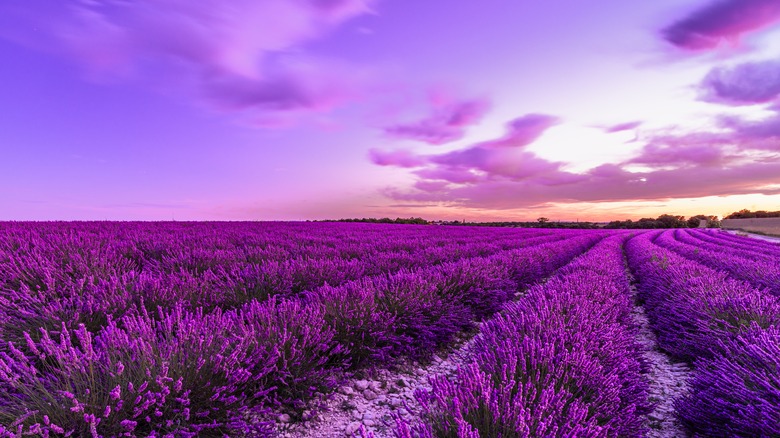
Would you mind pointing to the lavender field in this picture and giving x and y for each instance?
(113, 329)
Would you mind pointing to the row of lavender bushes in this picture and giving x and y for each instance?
(761, 271)
(190, 371)
(49, 273)
(562, 361)
(703, 240)
(727, 327)
(724, 238)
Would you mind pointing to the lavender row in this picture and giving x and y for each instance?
(201, 245)
(562, 361)
(45, 256)
(190, 372)
(727, 328)
(492, 282)
(746, 243)
(760, 273)
(85, 280)
(699, 239)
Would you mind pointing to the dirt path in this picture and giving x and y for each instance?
(667, 380)
(373, 400)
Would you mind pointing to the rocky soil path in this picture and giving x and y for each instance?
(372, 401)
(668, 381)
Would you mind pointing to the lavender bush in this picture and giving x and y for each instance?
(737, 394)
(208, 329)
(692, 306)
(562, 361)
(728, 328)
(760, 271)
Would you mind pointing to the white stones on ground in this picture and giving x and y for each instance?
(667, 381)
(283, 418)
(352, 428)
(393, 394)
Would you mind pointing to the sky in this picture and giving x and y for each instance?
(443, 109)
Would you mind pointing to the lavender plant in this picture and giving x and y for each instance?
(562, 361)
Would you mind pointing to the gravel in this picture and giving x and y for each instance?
(668, 381)
(371, 402)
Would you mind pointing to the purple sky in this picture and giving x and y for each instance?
(307, 109)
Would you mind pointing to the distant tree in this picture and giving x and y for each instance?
(747, 214)
(671, 221)
(712, 221)
(384, 220)
(662, 221)
(543, 220)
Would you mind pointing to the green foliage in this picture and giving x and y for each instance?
(666, 221)
(747, 214)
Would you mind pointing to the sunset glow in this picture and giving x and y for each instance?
(315, 109)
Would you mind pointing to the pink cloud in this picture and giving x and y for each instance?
(683, 151)
(524, 130)
(398, 158)
(289, 86)
(605, 184)
(222, 49)
(760, 134)
(493, 176)
(748, 83)
(448, 122)
(722, 21)
(430, 186)
(627, 126)
(503, 162)
(448, 175)
(504, 157)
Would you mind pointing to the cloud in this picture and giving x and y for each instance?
(756, 134)
(503, 174)
(448, 122)
(510, 163)
(228, 51)
(721, 21)
(397, 158)
(748, 83)
(502, 157)
(604, 184)
(287, 86)
(686, 151)
(524, 130)
(627, 126)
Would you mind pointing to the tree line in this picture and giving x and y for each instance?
(747, 214)
(667, 221)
